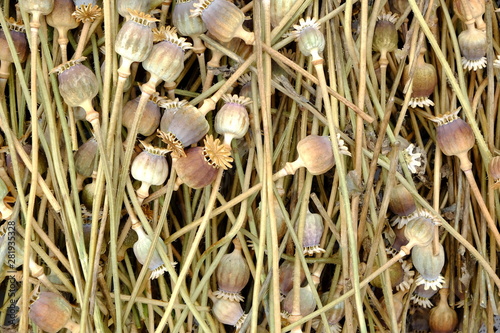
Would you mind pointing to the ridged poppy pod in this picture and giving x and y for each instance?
(223, 20)
(150, 119)
(51, 312)
(424, 81)
(398, 304)
(88, 194)
(150, 167)
(455, 137)
(419, 232)
(227, 312)
(278, 9)
(78, 86)
(422, 296)
(286, 273)
(232, 119)
(134, 41)
(315, 154)
(313, 230)
(400, 274)
(473, 46)
(170, 108)
(189, 25)
(141, 249)
(278, 214)
(401, 203)
(125, 6)
(5, 210)
(307, 304)
(443, 319)
(85, 157)
(36, 8)
(42, 163)
(85, 161)
(200, 166)
(18, 34)
(310, 40)
(429, 266)
(494, 169)
(385, 36)
(188, 125)
(232, 274)
(335, 315)
(166, 59)
(62, 20)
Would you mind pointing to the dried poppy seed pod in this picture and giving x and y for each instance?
(36, 8)
(51, 312)
(134, 41)
(166, 59)
(18, 34)
(286, 277)
(88, 194)
(188, 125)
(473, 46)
(396, 274)
(494, 168)
(141, 249)
(419, 231)
(422, 297)
(424, 81)
(443, 319)
(42, 163)
(188, 25)
(125, 6)
(232, 274)
(313, 230)
(311, 41)
(61, 18)
(196, 169)
(307, 304)
(85, 158)
(78, 86)
(401, 203)
(232, 119)
(171, 107)
(223, 20)
(455, 137)
(385, 36)
(150, 119)
(429, 266)
(150, 167)
(315, 153)
(227, 312)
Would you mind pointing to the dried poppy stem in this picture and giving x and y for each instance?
(37, 10)
(86, 14)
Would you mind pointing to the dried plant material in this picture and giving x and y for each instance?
(87, 13)
(173, 144)
(216, 153)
